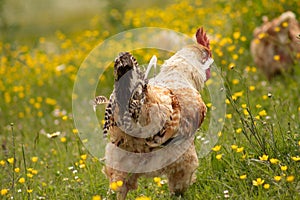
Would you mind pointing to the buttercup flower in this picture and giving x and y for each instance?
(266, 186)
(96, 197)
(283, 168)
(21, 180)
(242, 177)
(216, 148)
(290, 178)
(264, 157)
(274, 161)
(34, 159)
(258, 182)
(277, 178)
(3, 192)
(219, 156)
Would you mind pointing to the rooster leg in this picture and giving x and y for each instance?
(129, 181)
(182, 173)
(121, 195)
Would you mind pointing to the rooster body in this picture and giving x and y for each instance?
(275, 47)
(165, 110)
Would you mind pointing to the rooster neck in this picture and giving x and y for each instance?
(182, 70)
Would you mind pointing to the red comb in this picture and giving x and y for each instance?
(203, 40)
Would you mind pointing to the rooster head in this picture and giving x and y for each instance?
(202, 39)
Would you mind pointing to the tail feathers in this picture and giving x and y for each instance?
(124, 63)
(98, 101)
(130, 88)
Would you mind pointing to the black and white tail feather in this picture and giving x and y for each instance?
(129, 93)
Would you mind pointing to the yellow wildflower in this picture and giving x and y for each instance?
(235, 56)
(290, 178)
(96, 197)
(216, 148)
(258, 106)
(75, 131)
(21, 180)
(50, 101)
(219, 156)
(263, 157)
(156, 179)
(234, 147)
(235, 81)
(244, 105)
(240, 149)
(245, 111)
(277, 178)
(236, 35)
(244, 156)
(219, 134)
(4, 192)
(239, 130)
(29, 190)
(258, 182)
(2, 162)
(119, 183)
(266, 186)
(229, 116)
(264, 97)
(243, 38)
(262, 113)
(63, 139)
(81, 166)
(29, 175)
(251, 88)
(239, 94)
(17, 169)
(83, 156)
(10, 160)
(274, 161)
(283, 168)
(34, 159)
(295, 158)
(243, 177)
(113, 186)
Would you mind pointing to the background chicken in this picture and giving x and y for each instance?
(275, 47)
(144, 116)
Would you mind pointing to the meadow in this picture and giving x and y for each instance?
(257, 155)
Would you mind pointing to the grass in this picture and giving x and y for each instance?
(257, 155)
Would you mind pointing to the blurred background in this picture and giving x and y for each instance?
(23, 21)
(43, 44)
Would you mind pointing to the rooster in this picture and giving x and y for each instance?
(143, 116)
(275, 47)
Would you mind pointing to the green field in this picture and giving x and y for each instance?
(257, 155)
